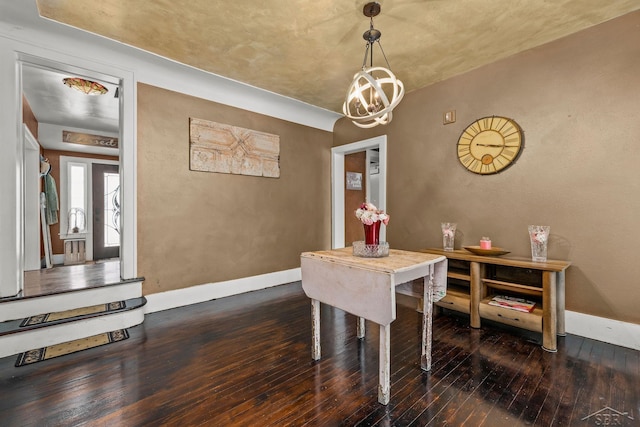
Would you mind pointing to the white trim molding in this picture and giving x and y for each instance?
(610, 331)
(210, 291)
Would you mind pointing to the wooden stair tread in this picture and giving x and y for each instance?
(13, 326)
(21, 297)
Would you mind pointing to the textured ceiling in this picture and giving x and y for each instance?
(53, 103)
(51, 99)
(310, 50)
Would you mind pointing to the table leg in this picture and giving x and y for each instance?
(361, 328)
(315, 329)
(427, 314)
(384, 387)
(560, 296)
(549, 312)
(475, 287)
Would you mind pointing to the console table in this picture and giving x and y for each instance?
(474, 279)
(365, 287)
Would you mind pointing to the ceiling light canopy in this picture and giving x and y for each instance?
(374, 91)
(85, 86)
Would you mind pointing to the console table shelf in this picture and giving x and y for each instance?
(474, 279)
(507, 286)
(530, 321)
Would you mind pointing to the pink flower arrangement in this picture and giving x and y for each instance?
(539, 236)
(369, 214)
(539, 233)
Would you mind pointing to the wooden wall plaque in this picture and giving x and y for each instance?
(216, 147)
(89, 139)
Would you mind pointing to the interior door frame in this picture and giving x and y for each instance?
(32, 258)
(12, 56)
(13, 52)
(127, 155)
(337, 183)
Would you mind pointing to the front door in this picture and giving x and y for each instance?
(106, 211)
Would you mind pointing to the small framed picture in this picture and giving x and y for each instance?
(354, 181)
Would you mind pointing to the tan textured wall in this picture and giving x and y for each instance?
(199, 227)
(577, 100)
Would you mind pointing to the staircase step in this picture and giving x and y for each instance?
(15, 339)
(51, 352)
(13, 326)
(19, 308)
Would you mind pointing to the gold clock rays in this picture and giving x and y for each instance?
(489, 145)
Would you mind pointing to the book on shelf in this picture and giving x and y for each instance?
(513, 303)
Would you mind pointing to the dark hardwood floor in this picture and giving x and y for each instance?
(245, 360)
(65, 278)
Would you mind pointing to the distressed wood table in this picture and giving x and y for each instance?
(365, 287)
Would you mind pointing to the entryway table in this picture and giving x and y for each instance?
(365, 287)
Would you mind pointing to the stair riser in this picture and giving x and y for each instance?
(25, 307)
(17, 343)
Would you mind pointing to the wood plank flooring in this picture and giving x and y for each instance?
(65, 278)
(245, 361)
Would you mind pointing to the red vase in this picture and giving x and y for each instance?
(372, 233)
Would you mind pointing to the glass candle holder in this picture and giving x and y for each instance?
(448, 235)
(539, 236)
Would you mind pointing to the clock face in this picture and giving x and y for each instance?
(489, 145)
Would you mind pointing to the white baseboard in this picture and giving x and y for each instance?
(610, 331)
(56, 259)
(209, 291)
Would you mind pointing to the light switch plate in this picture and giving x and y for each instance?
(449, 117)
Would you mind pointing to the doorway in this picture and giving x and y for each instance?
(14, 56)
(70, 124)
(378, 144)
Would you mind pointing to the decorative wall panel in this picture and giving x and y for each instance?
(216, 147)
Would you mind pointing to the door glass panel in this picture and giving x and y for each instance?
(111, 209)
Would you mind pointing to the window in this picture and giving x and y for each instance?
(76, 208)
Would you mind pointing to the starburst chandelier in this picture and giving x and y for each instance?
(374, 91)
